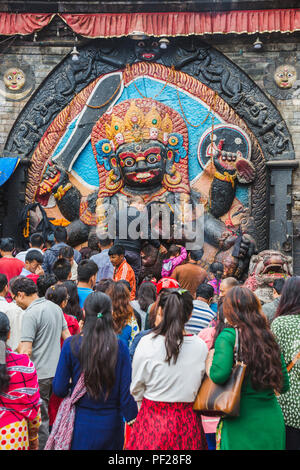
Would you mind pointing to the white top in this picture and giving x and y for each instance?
(22, 255)
(74, 271)
(154, 379)
(135, 304)
(14, 314)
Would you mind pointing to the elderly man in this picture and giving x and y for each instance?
(227, 284)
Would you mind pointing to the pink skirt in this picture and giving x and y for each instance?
(167, 426)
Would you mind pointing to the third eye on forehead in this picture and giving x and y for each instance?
(152, 150)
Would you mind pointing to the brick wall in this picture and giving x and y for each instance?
(42, 59)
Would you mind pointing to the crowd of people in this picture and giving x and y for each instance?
(130, 354)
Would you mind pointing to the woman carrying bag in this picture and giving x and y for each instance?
(167, 370)
(260, 424)
(99, 367)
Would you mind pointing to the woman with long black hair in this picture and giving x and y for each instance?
(73, 307)
(260, 425)
(146, 296)
(125, 322)
(167, 370)
(286, 328)
(105, 364)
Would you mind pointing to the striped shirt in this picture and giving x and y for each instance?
(202, 315)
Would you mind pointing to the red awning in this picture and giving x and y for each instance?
(103, 25)
(23, 23)
(184, 23)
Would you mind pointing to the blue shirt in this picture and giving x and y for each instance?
(83, 292)
(202, 315)
(25, 272)
(119, 400)
(105, 268)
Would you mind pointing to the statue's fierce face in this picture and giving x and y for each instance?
(142, 164)
(148, 49)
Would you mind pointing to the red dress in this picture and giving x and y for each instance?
(167, 426)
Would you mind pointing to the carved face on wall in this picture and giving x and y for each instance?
(148, 50)
(14, 78)
(285, 76)
(142, 164)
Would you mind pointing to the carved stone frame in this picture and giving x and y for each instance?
(209, 66)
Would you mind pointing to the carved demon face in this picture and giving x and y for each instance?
(269, 265)
(142, 164)
(148, 50)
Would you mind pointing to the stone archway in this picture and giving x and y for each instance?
(272, 153)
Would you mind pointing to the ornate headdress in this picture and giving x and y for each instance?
(138, 125)
(133, 121)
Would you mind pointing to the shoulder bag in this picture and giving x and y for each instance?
(289, 367)
(62, 430)
(222, 400)
(293, 362)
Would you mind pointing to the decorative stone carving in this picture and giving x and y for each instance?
(264, 268)
(281, 78)
(17, 81)
(238, 101)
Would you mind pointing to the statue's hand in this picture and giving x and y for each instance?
(245, 171)
(247, 247)
(227, 240)
(55, 181)
(50, 179)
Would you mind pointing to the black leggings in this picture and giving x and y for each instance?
(292, 438)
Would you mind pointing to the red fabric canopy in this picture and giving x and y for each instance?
(184, 23)
(103, 25)
(23, 23)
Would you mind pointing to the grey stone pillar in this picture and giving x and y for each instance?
(281, 224)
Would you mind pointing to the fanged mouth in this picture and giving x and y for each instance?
(142, 175)
(148, 55)
(276, 270)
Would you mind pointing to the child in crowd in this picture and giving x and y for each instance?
(216, 271)
(177, 254)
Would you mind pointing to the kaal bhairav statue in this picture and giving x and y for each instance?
(143, 148)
